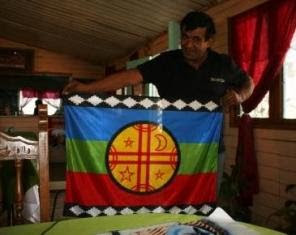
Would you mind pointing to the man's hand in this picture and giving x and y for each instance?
(71, 87)
(234, 97)
(106, 84)
(231, 98)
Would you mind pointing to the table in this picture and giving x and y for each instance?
(96, 225)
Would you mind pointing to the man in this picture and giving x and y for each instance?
(194, 72)
(37, 102)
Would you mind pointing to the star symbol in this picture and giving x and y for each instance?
(159, 174)
(126, 175)
(128, 142)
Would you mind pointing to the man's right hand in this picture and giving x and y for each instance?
(71, 87)
(109, 83)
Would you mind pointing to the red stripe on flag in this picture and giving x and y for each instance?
(99, 190)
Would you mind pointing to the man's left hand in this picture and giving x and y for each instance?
(231, 98)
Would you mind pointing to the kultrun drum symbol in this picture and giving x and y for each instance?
(143, 157)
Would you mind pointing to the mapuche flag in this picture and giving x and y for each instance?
(138, 155)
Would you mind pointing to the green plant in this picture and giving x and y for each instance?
(287, 213)
(231, 187)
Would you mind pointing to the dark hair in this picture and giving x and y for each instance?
(38, 101)
(197, 19)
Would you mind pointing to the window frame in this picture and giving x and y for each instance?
(276, 102)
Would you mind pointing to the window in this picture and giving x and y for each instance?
(148, 89)
(289, 82)
(27, 104)
(278, 108)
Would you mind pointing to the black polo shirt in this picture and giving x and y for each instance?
(175, 78)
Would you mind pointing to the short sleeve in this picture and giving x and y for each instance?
(235, 76)
(153, 69)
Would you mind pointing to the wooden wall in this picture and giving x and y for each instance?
(152, 48)
(275, 149)
(276, 157)
(19, 123)
(50, 62)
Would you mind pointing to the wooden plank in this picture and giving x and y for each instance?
(280, 147)
(27, 123)
(283, 148)
(233, 7)
(277, 161)
(43, 163)
(260, 220)
(63, 30)
(268, 160)
(229, 162)
(268, 134)
(287, 177)
(46, 61)
(268, 200)
(99, 18)
(30, 37)
(269, 173)
(263, 211)
(286, 195)
(231, 141)
(288, 164)
(269, 186)
(275, 134)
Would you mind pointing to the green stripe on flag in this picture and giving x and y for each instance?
(86, 156)
(89, 156)
(198, 158)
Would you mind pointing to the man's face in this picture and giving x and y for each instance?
(194, 45)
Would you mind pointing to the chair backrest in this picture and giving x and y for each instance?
(18, 148)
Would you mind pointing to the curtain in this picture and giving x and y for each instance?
(260, 39)
(48, 94)
(49, 97)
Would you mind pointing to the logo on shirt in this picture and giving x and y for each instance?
(221, 80)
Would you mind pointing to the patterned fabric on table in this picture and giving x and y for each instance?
(200, 227)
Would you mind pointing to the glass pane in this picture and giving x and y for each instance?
(290, 82)
(262, 110)
(150, 89)
(8, 102)
(153, 91)
(27, 105)
(53, 106)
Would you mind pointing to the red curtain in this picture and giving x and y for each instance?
(31, 93)
(260, 39)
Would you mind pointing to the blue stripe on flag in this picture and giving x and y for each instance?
(93, 123)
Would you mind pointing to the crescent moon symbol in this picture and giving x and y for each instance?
(162, 142)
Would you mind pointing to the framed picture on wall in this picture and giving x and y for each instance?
(16, 60)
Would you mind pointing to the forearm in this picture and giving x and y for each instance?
(111, 83)
(246, 90)
(237, 96)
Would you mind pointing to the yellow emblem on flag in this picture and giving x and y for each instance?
(143, 157)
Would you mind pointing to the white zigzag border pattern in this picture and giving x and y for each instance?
(110, 211)
(146, 103)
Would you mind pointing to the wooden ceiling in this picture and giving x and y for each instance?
(94, 30)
